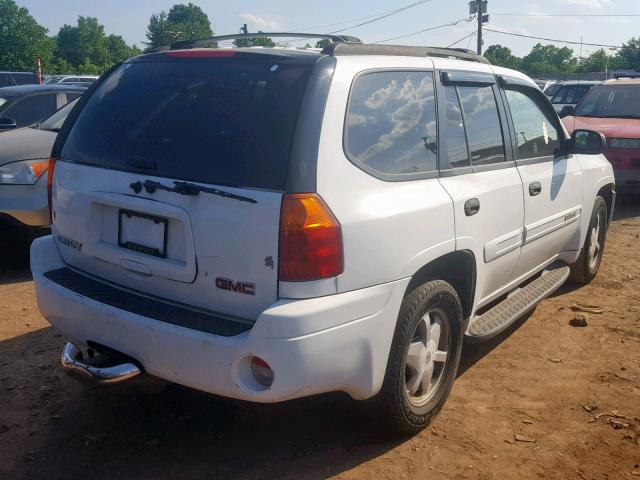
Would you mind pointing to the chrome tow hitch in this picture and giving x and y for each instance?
(73, 360)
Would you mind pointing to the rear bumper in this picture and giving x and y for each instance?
(334, 343)
(26, 204)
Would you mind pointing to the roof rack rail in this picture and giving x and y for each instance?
(338, 49)
(185, 44)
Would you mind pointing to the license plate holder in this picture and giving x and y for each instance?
(135, 228)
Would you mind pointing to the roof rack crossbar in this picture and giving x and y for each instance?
(185, 44)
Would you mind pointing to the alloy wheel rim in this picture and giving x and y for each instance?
(427, 357)
(595, 242)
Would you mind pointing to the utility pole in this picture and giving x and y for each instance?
(479, 8)
(480, 13)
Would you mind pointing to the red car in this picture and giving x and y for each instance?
(613, 108)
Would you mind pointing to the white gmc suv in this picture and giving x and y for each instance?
(267, 224)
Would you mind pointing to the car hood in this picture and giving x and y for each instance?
(609, 127)
(25, 144)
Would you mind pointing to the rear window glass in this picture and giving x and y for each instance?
(224, 122)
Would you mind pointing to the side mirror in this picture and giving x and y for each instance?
(7, 123)
(566, 111)
(588, 142)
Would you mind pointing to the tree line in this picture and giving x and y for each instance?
(86, 48)
(549, 59)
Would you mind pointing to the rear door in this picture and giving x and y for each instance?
(481, 178)
(552, 181)
(171, 179)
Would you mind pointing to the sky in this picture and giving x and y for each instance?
(129, 18)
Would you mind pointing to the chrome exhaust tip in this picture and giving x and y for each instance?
(73, 360)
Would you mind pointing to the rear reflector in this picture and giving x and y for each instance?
(310, 240)
(52, 165)
(262, 372)
(205, 53)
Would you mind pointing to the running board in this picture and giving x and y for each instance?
(517, 304)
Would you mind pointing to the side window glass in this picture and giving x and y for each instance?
(391, 123)
(72, 96)
(32, 109)
(482, 122)
(455, 138)
(537, 136)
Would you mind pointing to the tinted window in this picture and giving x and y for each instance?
(622, 101)
(30, 110)
(552, 89)
(482, 123)
(25, 78)
(72, 96)
(55, 121)
(456, 141)
(5, 80)
(226, 122)
(391, 122)
(535, 130)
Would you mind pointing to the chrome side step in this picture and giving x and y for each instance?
(72, 359)
(517, 304)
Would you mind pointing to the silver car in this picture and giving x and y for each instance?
(24, 162)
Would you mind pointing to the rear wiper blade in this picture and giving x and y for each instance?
(186, 188)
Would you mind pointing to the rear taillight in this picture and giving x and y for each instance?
(52, 165)
(310, 240)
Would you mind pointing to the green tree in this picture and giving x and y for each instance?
(502, 57)
(629, 55)
(87, 49)
(599, 61)
(22, 40)
(183, 22)
(323, 43)
(254, 42)
(549, 59)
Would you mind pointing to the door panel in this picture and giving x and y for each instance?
(495, 232)
(550, 217)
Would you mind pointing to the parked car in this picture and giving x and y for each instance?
(10, 79)
(570, 93)
(28, 104)
(268, 224)
(613, 108)
(544, 84)
(24, 162)
(552, 89)
(70, 79)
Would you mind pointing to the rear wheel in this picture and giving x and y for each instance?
(586, 267)
(424, 357)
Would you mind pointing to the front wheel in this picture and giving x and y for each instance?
(424, 357)
(586, 267)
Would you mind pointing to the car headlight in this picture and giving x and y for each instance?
(627, 143)
(25, 172)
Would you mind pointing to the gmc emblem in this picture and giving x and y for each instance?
(238, 287)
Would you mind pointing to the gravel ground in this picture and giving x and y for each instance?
(544, 400)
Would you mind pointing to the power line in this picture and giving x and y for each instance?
(344, 21)
(601, 15)
(463, 38)
(452, 24)
(382, 17)
(553, 39)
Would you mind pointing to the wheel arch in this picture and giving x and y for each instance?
(608, 193)
(457, 268)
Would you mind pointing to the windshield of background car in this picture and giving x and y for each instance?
(55, 121)
(611, 101)
(552, 90)
(221, 121)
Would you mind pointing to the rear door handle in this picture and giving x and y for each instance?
(535, 188)
(471, 207)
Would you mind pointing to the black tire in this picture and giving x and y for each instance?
(586, 267)
(394, 402)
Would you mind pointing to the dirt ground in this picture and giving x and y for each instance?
(546, 400)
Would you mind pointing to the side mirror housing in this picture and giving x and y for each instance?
(587, 142)
(7, 123)
(566, 111)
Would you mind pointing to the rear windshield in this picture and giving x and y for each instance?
(225, 122)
